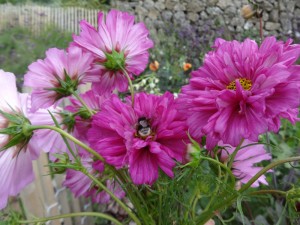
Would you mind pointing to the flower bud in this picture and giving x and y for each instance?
(154, 66)
(247, 12)
(61, 163)
(186, 66)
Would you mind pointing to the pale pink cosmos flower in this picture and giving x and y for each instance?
(49, 141)
(117, 43)
(15, 162)
(243, 167)
(81, 185)
(242, 90)
(57, 75)
(147, 138)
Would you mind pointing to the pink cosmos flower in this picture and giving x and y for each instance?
(117, 43)
(242, 90)
(15, 162)
(81, 185)
(48, 140)
(52, 78)
(243, 166)
(145, 138)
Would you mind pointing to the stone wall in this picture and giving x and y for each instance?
(221, 17)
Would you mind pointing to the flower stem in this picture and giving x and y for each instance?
(130, 85)
(261, 28)
(135, 197)
(95, 214)
(265, 169)
(221, 165)
(70, 137)
(273, 192)
(233, 155)
(130, 213)
(83, 103)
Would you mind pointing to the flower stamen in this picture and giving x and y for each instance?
(245, 83)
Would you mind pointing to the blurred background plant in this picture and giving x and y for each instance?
(19, 47)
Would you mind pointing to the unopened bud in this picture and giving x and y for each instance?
(154, 66)
(61, 163)
(186, 66)
(247, 12)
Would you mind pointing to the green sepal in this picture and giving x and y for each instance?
(13, 118)
(114, 61)
(68, 120)
(18, 130)
(66, 87)
(63, 164)
(15, 140)
(84, 113)
(11, 130)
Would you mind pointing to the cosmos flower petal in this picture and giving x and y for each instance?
(243, 166)
(16, 173)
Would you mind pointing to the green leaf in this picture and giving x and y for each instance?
(240, 208)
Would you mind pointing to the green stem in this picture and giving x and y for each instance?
(70, 137)
(194, 204)
(83, 103)
(135, 197)
(130, 213)
(95, 214)
(273, 192)
(215, 194)
(130, 85)
(233, 155)
(265, 169)
(221, 165)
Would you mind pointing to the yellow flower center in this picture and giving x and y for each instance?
(245, 83)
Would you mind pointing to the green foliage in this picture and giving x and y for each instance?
(19, 47)
(93, 4)
(9, 218)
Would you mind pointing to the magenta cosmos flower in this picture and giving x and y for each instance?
(15, 161)
(242, 90)
(243, 167)
(58, 75)
(146, 138)
(81, 185)
(118, 43)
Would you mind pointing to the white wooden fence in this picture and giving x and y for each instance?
(36, 18)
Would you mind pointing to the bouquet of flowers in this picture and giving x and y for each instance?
(176, 160)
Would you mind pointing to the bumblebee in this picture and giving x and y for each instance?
(143, 127)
